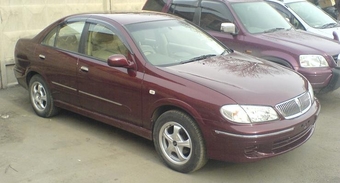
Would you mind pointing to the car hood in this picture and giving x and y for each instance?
(244, 79)
(327, 32)
(301, 42)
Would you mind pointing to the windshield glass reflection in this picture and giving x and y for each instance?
(317, 19)
(260, 17)
(173, 42)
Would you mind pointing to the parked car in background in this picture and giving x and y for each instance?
(298, 12)
(328, 6)
(164, 79)
(256, 28)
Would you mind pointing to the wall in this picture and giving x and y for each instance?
(24, 18)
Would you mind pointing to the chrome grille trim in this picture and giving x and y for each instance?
(295, 107)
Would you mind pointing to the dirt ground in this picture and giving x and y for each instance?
(70, 148)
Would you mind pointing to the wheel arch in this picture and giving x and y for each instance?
(175, 104)
(280, 61)
(30, 75)
(164, 108)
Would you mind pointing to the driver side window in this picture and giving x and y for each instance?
(102, 42)
(213, 15)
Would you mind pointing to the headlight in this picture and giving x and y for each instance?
(311, 91)
(248, 113)
(313, 61)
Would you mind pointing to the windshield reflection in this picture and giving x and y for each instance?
(317, 19)
(171, 42)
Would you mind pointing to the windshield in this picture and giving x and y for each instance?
(317, 19)
(170, 42)
(260, 17)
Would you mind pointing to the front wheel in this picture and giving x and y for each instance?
(179, 142)
(41, 98)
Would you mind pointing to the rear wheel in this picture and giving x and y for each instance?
(179, 142)
(41, 98)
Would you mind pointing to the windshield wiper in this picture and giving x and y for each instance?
(198, 58)
(274, 30)
(329, 25)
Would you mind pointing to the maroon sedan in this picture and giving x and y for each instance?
(164, 79)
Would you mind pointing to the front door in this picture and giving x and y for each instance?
(108, 91)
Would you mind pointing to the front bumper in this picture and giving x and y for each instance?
(259, 148)
(334, 82)
(323, 80)
(235, 146)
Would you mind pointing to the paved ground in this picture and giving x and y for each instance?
(70, 148)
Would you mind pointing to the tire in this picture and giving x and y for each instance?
(179, 142)
(41, 98)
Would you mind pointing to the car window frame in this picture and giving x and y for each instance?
(175, 5)
(155, 5)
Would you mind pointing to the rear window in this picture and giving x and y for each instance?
(154, 5)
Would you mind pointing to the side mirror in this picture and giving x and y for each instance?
(119, 60)
(228, 28)
(335, 36)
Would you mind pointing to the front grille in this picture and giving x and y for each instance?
(295, 107)
(336, 59)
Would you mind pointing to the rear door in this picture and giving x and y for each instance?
(58, 55)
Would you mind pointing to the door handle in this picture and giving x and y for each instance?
(85, 69)
(41, 56)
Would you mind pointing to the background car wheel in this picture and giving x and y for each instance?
(179, 142)
(41, 98)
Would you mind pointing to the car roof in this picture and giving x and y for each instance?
(129, 17)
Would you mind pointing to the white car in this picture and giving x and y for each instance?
(306, 16)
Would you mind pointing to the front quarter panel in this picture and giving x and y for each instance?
(164, 91)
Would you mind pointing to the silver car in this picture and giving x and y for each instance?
(306, 16)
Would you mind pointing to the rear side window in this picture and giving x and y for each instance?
(214, 14)
(67, 38)
(49, 40)
(154, 5)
